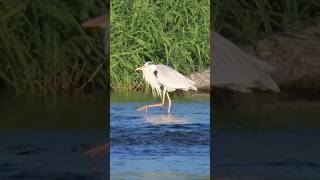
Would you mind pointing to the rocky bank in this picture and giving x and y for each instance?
(295, 57)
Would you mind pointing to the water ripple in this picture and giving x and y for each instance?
(183, 138)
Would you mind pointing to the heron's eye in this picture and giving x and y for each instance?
(156, 73)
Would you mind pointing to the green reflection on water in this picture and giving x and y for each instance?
(141, 97)
(295, 115)
(52, 113)
(19, 112)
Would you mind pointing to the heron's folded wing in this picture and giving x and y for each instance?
(172, 78)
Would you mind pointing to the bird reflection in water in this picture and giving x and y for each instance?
(164, 119)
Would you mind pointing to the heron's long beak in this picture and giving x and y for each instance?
(140, 68)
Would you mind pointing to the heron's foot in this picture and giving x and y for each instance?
(143, 108)
(149, 106)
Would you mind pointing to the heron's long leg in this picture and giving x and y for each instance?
(154, 105)
(169, 101)
(163, 95)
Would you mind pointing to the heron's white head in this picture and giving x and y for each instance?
(148, 72)
(147, 66)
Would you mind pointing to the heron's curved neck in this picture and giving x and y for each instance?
(152, 67)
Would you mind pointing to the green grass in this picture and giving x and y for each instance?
(43, 48)
(45, 51)
(175, 33)
(249, 20)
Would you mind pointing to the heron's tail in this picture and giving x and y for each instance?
(192, 85)
(267, 83)
(194, 88)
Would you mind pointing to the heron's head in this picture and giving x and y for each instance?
(147, 66)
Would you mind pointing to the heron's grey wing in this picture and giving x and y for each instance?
(235, 69)
(172, 79)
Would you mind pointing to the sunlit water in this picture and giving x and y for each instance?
(157, 145)
(43, 140)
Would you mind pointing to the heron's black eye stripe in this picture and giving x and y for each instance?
(156, 73)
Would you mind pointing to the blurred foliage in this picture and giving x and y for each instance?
(248, 20)
(43, 48)
(45, 51)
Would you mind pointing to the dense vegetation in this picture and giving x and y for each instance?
(170, 32)
(44, 50)
(249, 20)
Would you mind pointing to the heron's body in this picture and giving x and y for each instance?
(160, 75)
(163, 79)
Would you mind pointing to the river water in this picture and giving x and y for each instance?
(46, 139)
(157, 145)
(267, 140)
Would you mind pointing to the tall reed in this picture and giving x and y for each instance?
(248, 20)
(45, 51)
(175, 33)
(43, 48)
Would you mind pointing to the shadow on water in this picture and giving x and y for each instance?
(157, 145)
(46, 138)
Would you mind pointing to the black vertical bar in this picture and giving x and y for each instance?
(107, 52)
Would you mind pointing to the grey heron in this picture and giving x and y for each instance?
(162, 80)
(233, 68)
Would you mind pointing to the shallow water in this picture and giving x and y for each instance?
(157, 145)
(46, 139)
(268, 144)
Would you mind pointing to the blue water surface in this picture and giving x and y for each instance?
(157, 145)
